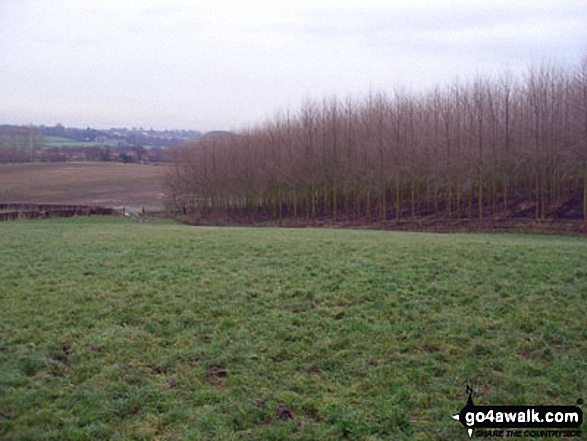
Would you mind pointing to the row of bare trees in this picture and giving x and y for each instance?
(487, 149)
(20, 143)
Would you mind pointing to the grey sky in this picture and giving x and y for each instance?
(226, 64)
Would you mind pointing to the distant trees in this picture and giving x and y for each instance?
(479, 150)
(20, 143)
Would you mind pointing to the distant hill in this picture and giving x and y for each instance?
(131, 137)
(114, 136)
(218, 134)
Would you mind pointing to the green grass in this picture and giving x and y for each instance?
(56, 141)
(116, 330)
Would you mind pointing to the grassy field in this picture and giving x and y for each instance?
(93, 183)
(56, 141)
(117, 330)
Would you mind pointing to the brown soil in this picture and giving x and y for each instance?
(85, 183)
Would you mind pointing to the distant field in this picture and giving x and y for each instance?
(117, 330)
(56, 141)
(95, 183)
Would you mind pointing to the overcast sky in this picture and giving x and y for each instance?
(227, 64)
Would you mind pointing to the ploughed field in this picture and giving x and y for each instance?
(84, 183)
(111, 329)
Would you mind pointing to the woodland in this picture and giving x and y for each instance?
(513, 146)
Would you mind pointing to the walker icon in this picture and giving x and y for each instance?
(470, 406)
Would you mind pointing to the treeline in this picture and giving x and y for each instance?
(105, 153)
(488, 149)
(20, 143)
